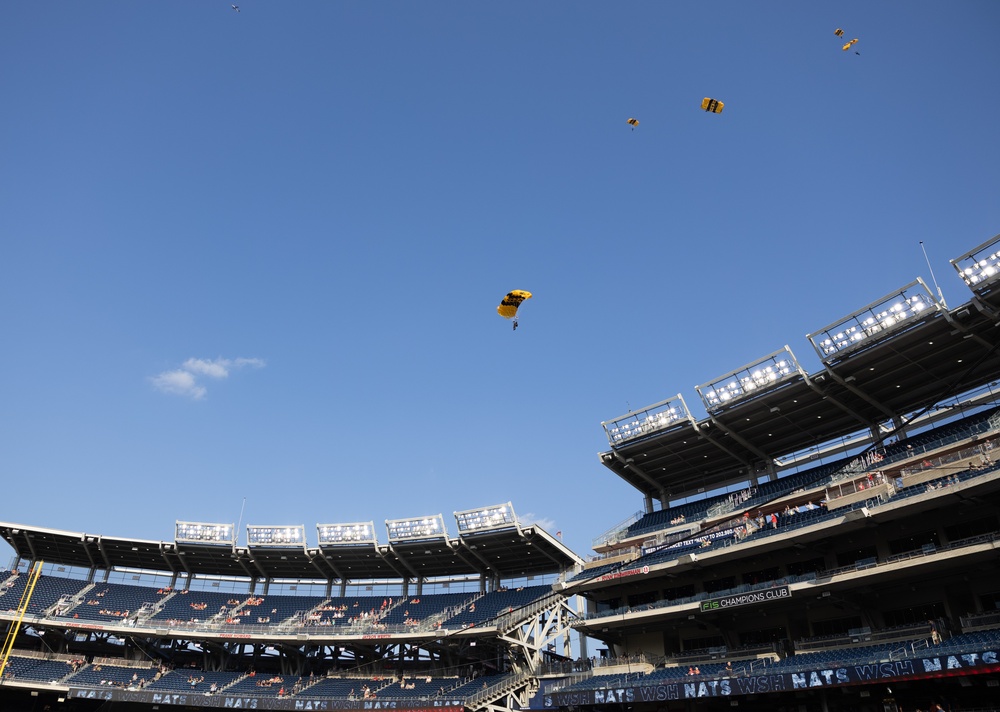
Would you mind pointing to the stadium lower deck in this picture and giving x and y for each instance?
(823, 541)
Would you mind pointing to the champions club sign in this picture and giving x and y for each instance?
(253, 702)
(745, 599)
(943, 666)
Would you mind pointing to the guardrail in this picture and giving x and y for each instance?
(492, 692)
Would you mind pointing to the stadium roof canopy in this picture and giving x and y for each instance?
(508, 552)
(879, 365)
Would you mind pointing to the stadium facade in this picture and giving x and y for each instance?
(817, 541)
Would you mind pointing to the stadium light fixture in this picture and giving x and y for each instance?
(416, 529)
(204, 533)
(647, 421)
(753, 379)
(500, 516)
(341, 534)
(879, 318)
(276, 536)
(979, 268)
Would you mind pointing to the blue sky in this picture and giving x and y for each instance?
(258, 254)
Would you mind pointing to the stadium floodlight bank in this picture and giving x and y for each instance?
(346, 534)
(278, 536)
(979, 268)
(647, 421)
(500, 516)
(882, 317)
(205, 533)
(416, 529)
(754, 379)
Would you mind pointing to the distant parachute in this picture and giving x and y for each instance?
(713, 105)
(840, 33)
(508, 307)
(633, 123)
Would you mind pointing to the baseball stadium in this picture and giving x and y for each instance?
(822, 540)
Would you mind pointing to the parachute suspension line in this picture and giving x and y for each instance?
(22, 608)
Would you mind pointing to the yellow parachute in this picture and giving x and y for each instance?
(508, 307)
(633, 123)
(840, 33)
(712, 105)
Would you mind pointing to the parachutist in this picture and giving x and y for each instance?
(508, 307)
(712, 105)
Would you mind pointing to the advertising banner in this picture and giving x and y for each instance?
(745, 599)
(254, 702)
(935, 666)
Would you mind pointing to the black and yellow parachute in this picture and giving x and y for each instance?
(712, 105)
(633, 123)
(508, 307)
(839, 32)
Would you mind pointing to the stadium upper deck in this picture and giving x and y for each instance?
(883, 366)
(487, 546)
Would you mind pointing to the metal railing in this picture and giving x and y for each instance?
(614, 533)
(498, 689)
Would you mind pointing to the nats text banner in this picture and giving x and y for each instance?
(939, 666)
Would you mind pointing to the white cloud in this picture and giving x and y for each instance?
(547, 524)
(184, 381)
(219, 368)
(252, 362)
(179, 383)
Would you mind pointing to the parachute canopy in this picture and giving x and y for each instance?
(849, 44)
(713, 105)
(508, 307)
(839, 32)
(633, 122)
